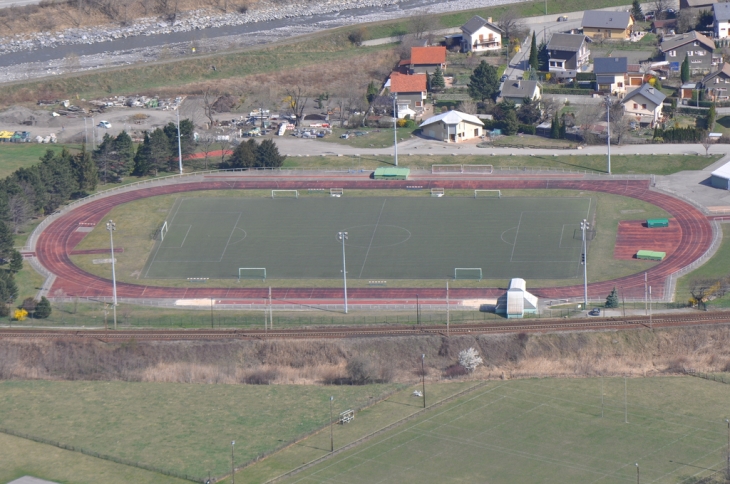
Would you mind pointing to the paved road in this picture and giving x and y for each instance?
(8, 3)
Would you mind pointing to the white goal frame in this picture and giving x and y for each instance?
(446, 169)
(337, 192)
(261, 275)
(284, 193)
(472, 269)
(484, 169)
(163, 230)
(487, 193)
(437, 192)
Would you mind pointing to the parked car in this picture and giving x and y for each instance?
(105, 124)
(595, 312)
(562, 18)
(503, 78)
(345, 135)
(649, 16)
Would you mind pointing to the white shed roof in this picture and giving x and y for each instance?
(452, 117)
(723, 171)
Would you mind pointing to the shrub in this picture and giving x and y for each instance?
(470, 359)
(20, 314)
(527, 129)
(361, 370)
(455, 371)
(261, 377)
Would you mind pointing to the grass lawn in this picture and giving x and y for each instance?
(544, 430)
(23, 155)
(722, 125)
(181, 427)
(531, 141)
(374, 137)
(715, 268)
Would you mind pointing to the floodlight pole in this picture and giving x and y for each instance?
(179, 146)
(728, 447)
(343, 237)
(418, 311)
(111, 227)
(626, 403)
(584, 260)
(395, 126)
(423, 378)
(332, 439)
(447, 309)
(608, 127)
(637, 474)
(233, 469)
(650, 326)
(86, 133)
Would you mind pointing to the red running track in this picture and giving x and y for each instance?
(56, 242)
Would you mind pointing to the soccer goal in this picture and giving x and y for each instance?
(487, 194)
(252, 273)
(476, 169)
(474, 273)
(337, 192)
(284, 193)
(446, 169)
(437, 192)
(163, 230)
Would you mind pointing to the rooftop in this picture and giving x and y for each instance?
(519, 89)
(428, 55)
(606, 20)
(452, 117)
(646, 90)
(475, 23)
(721, 11)
(724, 71)
(570, 42)
(677, 41)
(403, 83)
(610, 65)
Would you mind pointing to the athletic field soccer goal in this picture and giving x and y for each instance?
(487, 194)
(475, 169)
(163, 230)
(284, 193)
(474, 273)
(337, 192)
(446, 169)
(252, 273)
(437, 192)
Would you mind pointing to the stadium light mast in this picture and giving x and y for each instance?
(608, 127)
(343, 237)
(395, 126)
(179, 146)
(637, 474)
(111, 227)
(332, 439)
(584, 261)
(423, 378)
(233, 469)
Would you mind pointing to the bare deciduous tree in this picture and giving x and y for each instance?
(620, 124)
(19, 210)
(422, 24)
(208, 101)
(686, 21)
(468, 107)
(587, 117)
(660, 8)
(511, 24)
(295, 101)
(707, 144)
(206, 145)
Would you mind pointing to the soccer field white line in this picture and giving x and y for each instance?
(176, 206)
(372, 238)
(240, 214)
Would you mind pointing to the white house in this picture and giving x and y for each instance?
(452, 127)
(480, 35)
(721, 15)
(645, 104)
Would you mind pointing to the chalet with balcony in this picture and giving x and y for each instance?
(480, 35)
(716, 84)
(568, 53)
(696, 47)
(602, 24)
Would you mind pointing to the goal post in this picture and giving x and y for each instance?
(437, 192)
(284, 193)
(478, 169)
(474, 273)
(487, 194)
(252, 273)
(337, 192)
(163, 230)
(436, 169)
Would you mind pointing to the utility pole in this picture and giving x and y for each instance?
(448, 313)
(395, 126)
(608, 127)
(650, 326)
(626, 403)
(343, 237)
(111, 227)
(271, 312)
(646, 297)
(332, 439)
(423, 378)
(179, 146)
(233, 469)
(584, 261)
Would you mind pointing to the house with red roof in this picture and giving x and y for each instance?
(410, 93)
(424, 60)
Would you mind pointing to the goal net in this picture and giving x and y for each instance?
(446, 169)
(487, 194)
(163, 230)
(437, 192)
(484, 169)
(284, 193)
(474, 273)
(337, 192)
(252, 273)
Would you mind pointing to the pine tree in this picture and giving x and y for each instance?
(16, 262)
(123, 154)
(244, 156)
(142, 165)
(543, 57)
(267, 155)
(555, 127)
(43, 308)
(85, 170)
(437, 79)
(372, 92)
(533, 53)
(561, 135)
(511, 124)
(483, 83)
(684, 70)
(612, 299)
(160, 151)
(636, 11)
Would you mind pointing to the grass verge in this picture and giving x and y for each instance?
(24, 155)
(716, 268)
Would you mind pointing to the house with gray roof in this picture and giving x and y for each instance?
(480, 35)
(721, 16)
(716, 84)
(611, 74)
(696, 47)
(519, 90)
(569, 54)
(644, 104)
(603, 24)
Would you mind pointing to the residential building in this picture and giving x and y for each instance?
(721, 16)
(424, 60)
(686, 91)
(601, 24)
(568, 53)
(716, 84)
(611, 74)
(664, 27)
(635, 77)
(480, 35)
(518, 90)
(410, 93)
(645, 104)
(696, 5)
(452, 127)
(697, 47)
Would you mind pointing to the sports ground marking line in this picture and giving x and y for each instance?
(184, 238)
(720, 463)
(501, 236)
(176, 206)
(240, 214)
(372, 238)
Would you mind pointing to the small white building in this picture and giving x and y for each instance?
(517, 302)
(721, 15)
(721, 177)
(452, 127)
(644, 104)
(480, 35)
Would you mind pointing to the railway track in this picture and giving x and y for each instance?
(523, 326)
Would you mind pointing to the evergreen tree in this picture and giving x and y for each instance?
(102, 156)
(612, 299)
(483, 83)
(533, 53)
(142, 165)
(711, 116)
(123, 154)
(684, 69)
(511, 124)
(437, 79)
(16, 261)
(636, 11)
(561, 135)
(160, 151)
(58, 179)
(555, 127)
(372, 92)
(42, 309)
(543, 57)
(244, 156)
(8, 288)
(267, 155)
(84, 170)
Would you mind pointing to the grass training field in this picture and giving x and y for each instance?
(551, 431)
(388, 237)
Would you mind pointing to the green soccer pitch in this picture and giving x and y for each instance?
(388, 237)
